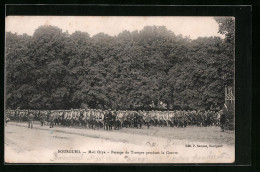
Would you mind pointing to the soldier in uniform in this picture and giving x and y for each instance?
(223, 118)
(30, 119)
(43, 117)
(51, 119)
(69, 118)
(7, 120)
(166, 117)
(20, 115)
(128, 119)
(135, 119)
(65, 116)
(91, 119)
(120, 116)
(152, 120)
(160, 118)
(170, 119)
(105, 120)
(148, 119)
(109, 119)
(100, 118)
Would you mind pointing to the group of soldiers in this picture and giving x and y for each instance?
(117, 119)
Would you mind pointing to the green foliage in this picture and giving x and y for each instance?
(227, 28)
(55, 70)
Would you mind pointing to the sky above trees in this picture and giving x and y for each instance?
(187, 26)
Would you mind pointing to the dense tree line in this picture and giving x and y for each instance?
(56, 70)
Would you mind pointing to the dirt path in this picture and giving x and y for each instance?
(44, 145)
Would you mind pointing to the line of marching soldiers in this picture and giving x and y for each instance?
(108, 119)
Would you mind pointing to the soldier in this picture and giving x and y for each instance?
(124, 118)
(20, 115)
(76, 117)
(135, 119)
(160, 118)
(80, 117)
(30, 120)
(91, 119)
(111, 121)
(148, 119)
(61, 113)
(43, 117)
(100, 118)
(105, 120)
(64, 118)
(95, 119)
(26, 114)
(51, 119)
(223, 118)
(152, 115)
(141, 118)
(165, 116)
(11, 115)
(69, 118)
(193, 117)
(119, 119)
(7, 120)
(128, 122)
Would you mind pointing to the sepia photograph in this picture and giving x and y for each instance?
(119, 89)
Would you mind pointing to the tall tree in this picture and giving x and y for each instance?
(227, 28)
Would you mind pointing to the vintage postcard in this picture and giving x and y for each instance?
(128, 89)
